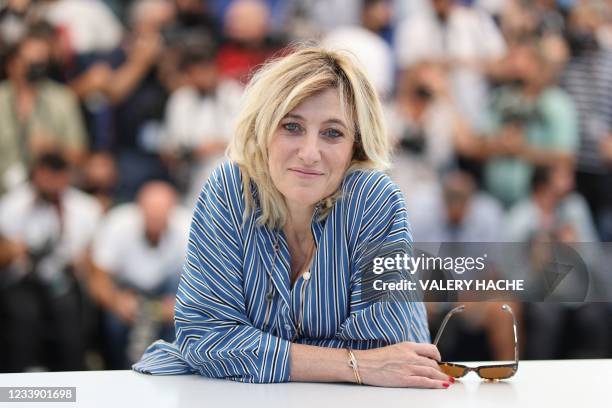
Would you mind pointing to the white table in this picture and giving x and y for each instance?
(567, 383)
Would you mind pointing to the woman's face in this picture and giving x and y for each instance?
(311, 150)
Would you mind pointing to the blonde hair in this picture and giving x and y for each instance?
(277, 88)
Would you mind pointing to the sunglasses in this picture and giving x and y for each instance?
(488, 372)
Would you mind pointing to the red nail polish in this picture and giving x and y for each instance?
(451, 379)
(445, 385)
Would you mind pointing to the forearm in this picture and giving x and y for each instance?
(102, 288)
(9, 251)
(400, 365)
(6, 253)
(83, 87)
(167, 308)
(319, 364)
(126, 78)
(544, 157)
(474, 147)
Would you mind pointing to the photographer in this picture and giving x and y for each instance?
(586, 78)
(531, 122)
(126, 92)
(425, 127)
(36, 112)
(552, 218)
(465, 39)
(47, 227)
(199, 116)
(137, 256)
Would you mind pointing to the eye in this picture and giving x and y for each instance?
(292, 127)
(333, 133)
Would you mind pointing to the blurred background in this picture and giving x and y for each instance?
(114, 112)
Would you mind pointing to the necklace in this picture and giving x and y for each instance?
(307, 260)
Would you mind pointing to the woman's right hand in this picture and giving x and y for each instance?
(404, 364)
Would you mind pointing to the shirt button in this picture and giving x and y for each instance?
(287, 326)
(269, 297)
(306, 276)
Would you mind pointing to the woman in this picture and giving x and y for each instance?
(277, 282)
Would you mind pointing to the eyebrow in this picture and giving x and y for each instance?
(331, 120)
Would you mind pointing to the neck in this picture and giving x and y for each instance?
(532, 89)
(153, 238)
(417, 109)
(299, 218)
(371, 25)
(546, 202)
(21, 85)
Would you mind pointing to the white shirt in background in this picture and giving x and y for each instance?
(90, 25)
(371, 51)
(469, 35)
(121, 249)
(34, 222)
(193, 119)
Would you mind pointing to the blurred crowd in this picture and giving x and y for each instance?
(113, 113)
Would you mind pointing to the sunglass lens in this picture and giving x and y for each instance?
(496, 372)
(452, 370)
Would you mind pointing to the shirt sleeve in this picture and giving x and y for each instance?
(376, 316)
(214, 336)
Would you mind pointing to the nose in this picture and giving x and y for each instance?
(309, 152)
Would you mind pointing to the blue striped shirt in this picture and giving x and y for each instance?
(236, 313)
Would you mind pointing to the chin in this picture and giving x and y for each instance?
(304, 198)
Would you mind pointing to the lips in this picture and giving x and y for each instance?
(305, 172)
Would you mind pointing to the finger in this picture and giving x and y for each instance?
(427, 350)
(430, 372)
(427, 362)
(424, 382)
